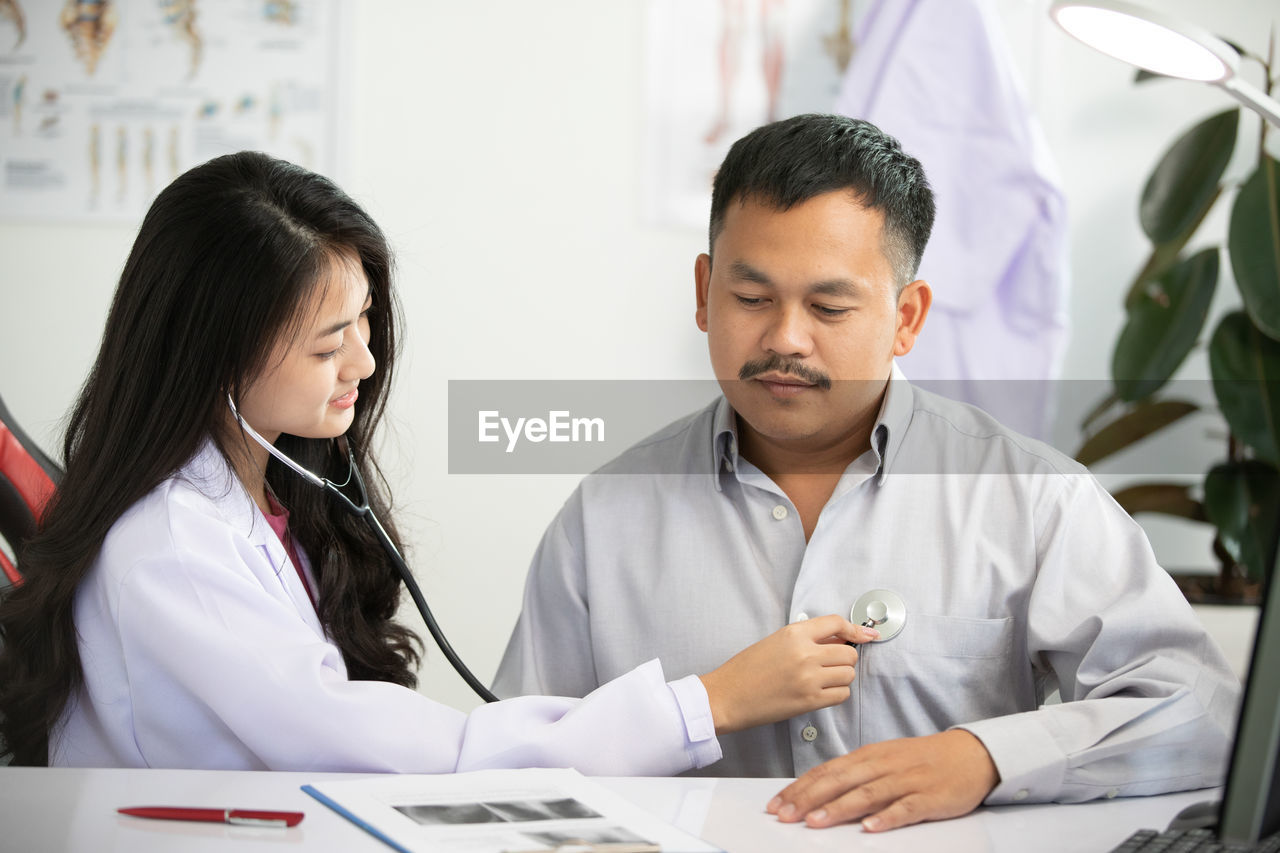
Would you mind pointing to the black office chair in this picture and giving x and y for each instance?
(27, 480)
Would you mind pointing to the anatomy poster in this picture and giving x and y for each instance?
(104, 102)
(719, 68)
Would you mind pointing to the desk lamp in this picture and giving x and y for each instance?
(1160, 43)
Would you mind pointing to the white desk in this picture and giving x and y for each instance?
(74, 810)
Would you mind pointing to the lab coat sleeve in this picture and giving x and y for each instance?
(222, 674)
(1148, 701)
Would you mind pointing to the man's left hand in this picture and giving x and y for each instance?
(893, 783)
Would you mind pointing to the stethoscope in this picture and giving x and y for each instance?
(881, 609)
(362, 510)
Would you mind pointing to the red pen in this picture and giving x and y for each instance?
(240, 817)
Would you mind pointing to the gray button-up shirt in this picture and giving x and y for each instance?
(1019, 573)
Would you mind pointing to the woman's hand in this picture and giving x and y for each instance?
(798, 668)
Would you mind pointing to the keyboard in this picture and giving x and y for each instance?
(1190, 841)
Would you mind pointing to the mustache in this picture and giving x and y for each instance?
(781, 364)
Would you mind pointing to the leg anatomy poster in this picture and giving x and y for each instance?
(104, 102)
(718, 69)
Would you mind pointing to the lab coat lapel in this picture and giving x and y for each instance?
(209, 471)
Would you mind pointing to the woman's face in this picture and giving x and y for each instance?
(309, 386)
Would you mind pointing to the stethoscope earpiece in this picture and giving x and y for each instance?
(881, 609)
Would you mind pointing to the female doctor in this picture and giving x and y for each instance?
(190, 602)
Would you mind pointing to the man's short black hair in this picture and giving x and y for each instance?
(790, 161)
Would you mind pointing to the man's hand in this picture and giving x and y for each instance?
(800, 667)
(893, 783)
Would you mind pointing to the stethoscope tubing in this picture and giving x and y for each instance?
(363, 510)
(415, 592)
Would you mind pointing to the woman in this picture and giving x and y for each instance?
(175, 614)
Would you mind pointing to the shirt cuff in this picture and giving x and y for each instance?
(1031, 765)
(700, 740)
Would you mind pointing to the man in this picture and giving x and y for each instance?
(822, 474)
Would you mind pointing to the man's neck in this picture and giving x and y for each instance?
(808, 469)
(784, 459)
(807, 475)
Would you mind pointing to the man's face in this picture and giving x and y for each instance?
(803, 319)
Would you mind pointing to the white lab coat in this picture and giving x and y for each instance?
(940, 77)
(201, 649)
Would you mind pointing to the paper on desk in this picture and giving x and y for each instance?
(497, 810)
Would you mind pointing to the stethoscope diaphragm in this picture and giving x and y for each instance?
(881, 609)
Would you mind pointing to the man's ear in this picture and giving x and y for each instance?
(913, 307)
(702, 281)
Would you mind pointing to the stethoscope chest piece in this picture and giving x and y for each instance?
(881, 609)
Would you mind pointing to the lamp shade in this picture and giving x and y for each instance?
(1162, 44)
(1147, 38)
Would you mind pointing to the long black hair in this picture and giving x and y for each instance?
(223, 267)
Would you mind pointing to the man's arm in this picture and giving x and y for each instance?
(1148, 701)
(550, 650)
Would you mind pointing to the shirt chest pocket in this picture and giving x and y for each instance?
(942, 671)
(955, 637)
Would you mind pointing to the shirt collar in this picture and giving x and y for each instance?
(886, 435)
(891, 423)
(724, 441)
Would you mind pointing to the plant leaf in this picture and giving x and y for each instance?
(1165, 498)
(1242, 499)
(1254, 243)
(1144, 419)
(1103, 406)
(1245, 365)
(1164, 323)
(1185, 182)
(1236, 47)
(1161, 259)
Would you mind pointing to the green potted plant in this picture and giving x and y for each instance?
(1167, 317)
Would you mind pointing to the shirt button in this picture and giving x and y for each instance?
(1113, 793)
(800, 617)
(779, 512)
(1022, 795)
(809, 733)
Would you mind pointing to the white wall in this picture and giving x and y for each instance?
(498, 143)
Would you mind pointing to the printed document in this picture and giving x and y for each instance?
(500, 810)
